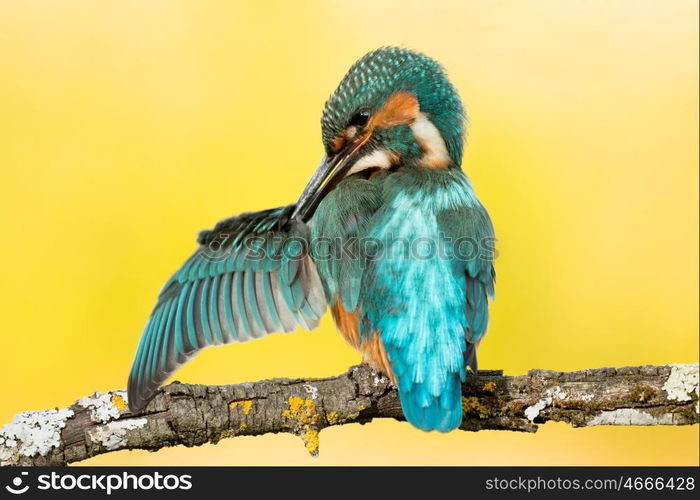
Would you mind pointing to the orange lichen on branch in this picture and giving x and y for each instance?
(490, 386)
(302, 412)
(246, 405)
(119, 402)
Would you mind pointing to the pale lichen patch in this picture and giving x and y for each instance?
(533, 411)
(32, 433)
(630, 416)
(311, 390)
(104, 406)
(379, 378)
(557, 393)
(114, 434)
(683, 382)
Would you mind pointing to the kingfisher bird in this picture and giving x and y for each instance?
(377, 236)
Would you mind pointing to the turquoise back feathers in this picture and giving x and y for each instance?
(428, 303)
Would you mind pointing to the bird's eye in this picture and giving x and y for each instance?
(360, 118)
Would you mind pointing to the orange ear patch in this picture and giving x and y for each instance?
(400, 109)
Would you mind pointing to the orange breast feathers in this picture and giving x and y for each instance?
(372, 350)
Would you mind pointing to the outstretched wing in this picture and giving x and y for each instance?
(251, 276)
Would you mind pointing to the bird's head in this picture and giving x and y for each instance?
(394, 107)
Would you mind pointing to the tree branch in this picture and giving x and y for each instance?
(192, 415)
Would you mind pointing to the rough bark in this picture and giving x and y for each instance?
(191, 415)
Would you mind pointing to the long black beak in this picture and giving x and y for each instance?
(328, 174)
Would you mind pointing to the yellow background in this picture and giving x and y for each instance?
(127, 126)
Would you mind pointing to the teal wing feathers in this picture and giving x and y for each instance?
(470, 231)
(251, 276)
(339, 249)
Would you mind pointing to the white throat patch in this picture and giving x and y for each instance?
(378, 158)
(435, 153)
